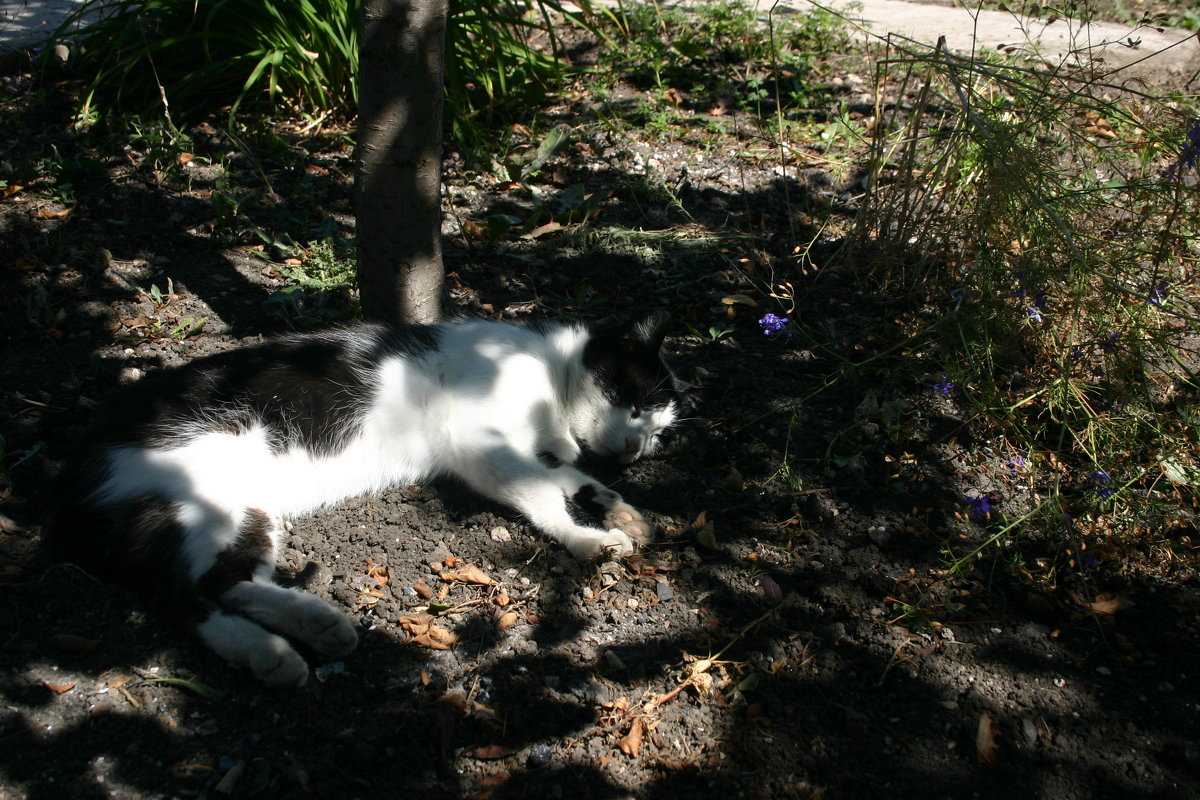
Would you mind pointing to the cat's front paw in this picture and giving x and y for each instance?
(625, 518)
(616, 542)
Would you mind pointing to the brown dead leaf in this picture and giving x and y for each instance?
(631, 743)
(25, 265)
(1109, 603)
(186, 158)
(423, 631)
(468, 573)
(117, 681)
(378, 573)
(423, 590)
(985, 739)
(60, 688)
(502, 600)
(50, 213)
(543, 230)
(492, 752)
(10, 190)
(507, 620)
(370, 597)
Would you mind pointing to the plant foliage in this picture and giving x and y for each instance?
(188, 56)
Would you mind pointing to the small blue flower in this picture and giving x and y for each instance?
(945, 386)
(1158, 294)
(1035, 315)
(1039, 299)
(1187, 156)
(1076, 353)
(1017, 464)
(980, 506)
(1110, 343)
(1100, 480)
(957, 296)
(772, 324)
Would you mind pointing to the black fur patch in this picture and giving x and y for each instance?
(585, 498)
(238, 563)
(548, 459)
(628, 367)
(306, 390)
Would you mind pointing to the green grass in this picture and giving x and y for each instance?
(183, 58)
(1037, 224)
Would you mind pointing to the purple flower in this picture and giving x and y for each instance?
(772, 324)
(1188, 154)
(1017, 464)
(1039, 299)
(1100, 480)
(1076, 353)
(945, 386)
(980, 506)
(1110, 343)
(1158, 294)
(1035, 315)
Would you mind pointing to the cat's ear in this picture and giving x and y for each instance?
(647, 330)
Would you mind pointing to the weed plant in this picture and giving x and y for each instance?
(195, 56)
(1041, 223)
(716, 52)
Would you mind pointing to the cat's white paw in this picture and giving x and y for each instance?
(616, 542)
(338, 639)
(624, 517)
(324, 628)
(279, 666)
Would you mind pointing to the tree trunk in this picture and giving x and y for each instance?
(399, 170)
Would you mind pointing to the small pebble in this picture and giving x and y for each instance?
(540, 755)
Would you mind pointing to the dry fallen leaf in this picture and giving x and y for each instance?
(469, 573)
(422, 589)
(1109, 603)
(985, 740)
(60, 688)
(47, 213)
(631, 743)
(10, 190)
(378, 573)
(423, 630)
(507, 620)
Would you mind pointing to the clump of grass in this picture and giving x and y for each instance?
(1038, 220)
(195, 56)
(324, 287)
(717, 52)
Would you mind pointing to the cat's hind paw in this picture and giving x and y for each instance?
(337, 638)
(625, 518)
(279, 666)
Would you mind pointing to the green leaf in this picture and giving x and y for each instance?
(196, 687)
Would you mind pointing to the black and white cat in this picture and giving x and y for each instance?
(187, 475)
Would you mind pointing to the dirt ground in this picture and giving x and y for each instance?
(795, 633)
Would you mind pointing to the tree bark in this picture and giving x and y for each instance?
(399, 160)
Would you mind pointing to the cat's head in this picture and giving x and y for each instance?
(640, 397)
